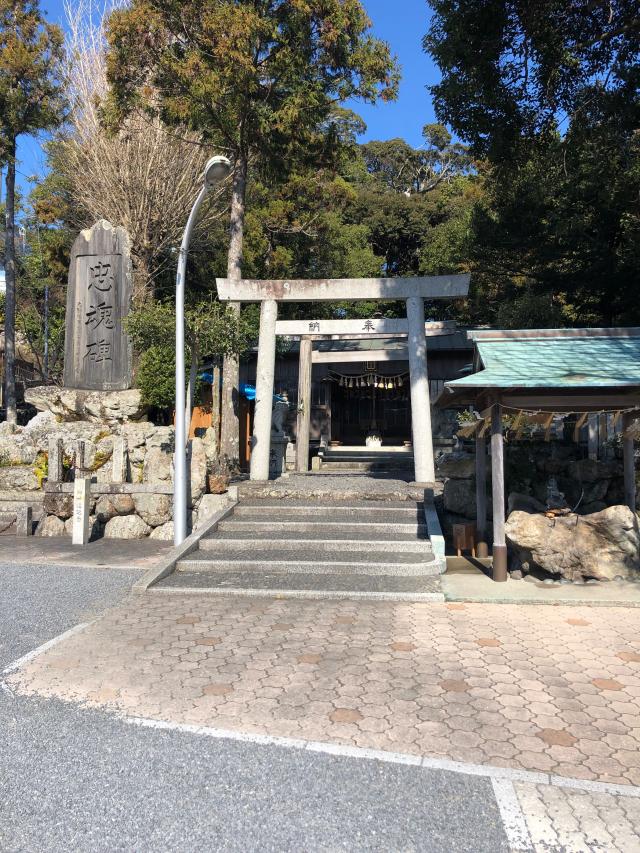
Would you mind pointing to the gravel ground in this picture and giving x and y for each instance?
(74, 779)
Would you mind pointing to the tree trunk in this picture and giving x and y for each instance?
(229, 425)
(10, 301)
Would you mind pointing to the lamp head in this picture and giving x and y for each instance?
(216, 170)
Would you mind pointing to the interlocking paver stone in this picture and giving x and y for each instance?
(419, 678)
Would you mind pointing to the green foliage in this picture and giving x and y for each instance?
(548, 94)
(252, 76)
(41, 469)
(212, 328)
(30, 91)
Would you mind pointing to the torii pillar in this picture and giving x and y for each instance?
(420, 402)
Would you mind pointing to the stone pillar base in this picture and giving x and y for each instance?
(499, 571)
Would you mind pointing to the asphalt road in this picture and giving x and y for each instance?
(82, 780)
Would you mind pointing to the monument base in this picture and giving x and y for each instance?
(71, 404)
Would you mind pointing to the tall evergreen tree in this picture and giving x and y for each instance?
(258, 79)
(30, 101)
(549, 93)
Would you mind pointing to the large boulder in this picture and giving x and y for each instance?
(593, 470)
(126, 527)
(458, 465)
(153, 509)
(158, 466)
(52, 526)
(19, 478)
(110, 506)
(209, 505)
(197, 462)
(68, 404)
(164, 533)
(459, 497)
(60, 504)
(602, 545)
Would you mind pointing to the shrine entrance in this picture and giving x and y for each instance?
(370, 404)
(269, 293)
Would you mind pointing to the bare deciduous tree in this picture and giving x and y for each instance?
(145, 177)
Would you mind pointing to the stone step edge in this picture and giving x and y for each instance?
(243, 508)
(211, 543)
(400, 527)
(282, 567)
(325, 595)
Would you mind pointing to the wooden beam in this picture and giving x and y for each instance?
(482, 549)
(348, 356)
(336, 330)
(351, 289)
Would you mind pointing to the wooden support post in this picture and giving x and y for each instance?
(629, 461)
(303, 424)
(481, 496)
(81, 499)
(592, 421)
(56, 457)
(497, 482)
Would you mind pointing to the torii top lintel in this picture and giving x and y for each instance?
(343, 289)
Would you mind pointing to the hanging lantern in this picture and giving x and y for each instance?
(400, 382)
(350, 382)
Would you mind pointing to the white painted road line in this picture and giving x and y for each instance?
(500, 774)
(34, 653)
(513, 819)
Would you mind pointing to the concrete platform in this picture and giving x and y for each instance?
(465, 580)
(104, 553)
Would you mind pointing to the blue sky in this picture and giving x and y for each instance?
(402, 23)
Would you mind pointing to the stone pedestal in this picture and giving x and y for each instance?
(277, 455)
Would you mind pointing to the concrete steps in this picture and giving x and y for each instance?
(365, 459)
(310, 561)
(307, 547)
(283, 585)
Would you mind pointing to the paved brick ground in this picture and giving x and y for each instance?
(535, 687)
(564, 820)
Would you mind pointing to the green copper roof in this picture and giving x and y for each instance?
(576, 358)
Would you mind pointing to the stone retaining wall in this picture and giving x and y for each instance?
(138, 508)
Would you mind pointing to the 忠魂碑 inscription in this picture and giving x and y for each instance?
(97, 348)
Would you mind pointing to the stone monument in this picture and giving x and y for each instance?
(279, 439)
(98, 353)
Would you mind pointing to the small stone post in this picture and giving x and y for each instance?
(497, 483)
(56, 456)
(119, 460)
(265, 372)
(420, 400)
(24, 521)
(304, 405)
(81, 496)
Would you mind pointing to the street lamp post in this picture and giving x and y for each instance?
(216, 170)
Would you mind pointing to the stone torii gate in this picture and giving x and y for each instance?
(413, 290)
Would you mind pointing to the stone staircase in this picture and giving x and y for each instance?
(315, 548)
(363, 459)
